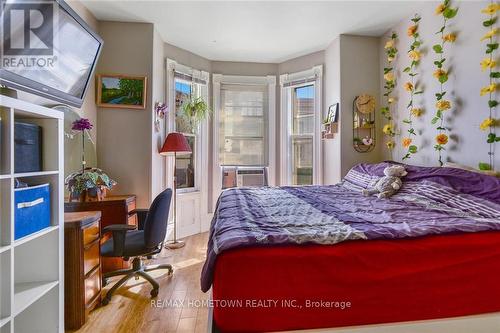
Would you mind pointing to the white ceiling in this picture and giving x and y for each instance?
(256, 31)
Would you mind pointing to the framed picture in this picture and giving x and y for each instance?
(121, 91)
(333, 113)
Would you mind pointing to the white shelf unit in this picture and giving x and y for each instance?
(31, 268)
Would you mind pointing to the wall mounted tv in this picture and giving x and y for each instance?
(47, 50)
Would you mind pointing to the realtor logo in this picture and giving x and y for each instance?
(27, 34)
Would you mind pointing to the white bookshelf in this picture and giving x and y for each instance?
(31, 268)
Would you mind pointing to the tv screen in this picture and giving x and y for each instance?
(48, 50)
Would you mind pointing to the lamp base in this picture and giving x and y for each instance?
(174, 245)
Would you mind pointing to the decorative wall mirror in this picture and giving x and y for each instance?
(363, 127)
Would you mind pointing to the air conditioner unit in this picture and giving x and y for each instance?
(251, 177)
(233, 176)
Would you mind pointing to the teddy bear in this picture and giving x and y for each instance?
(389, 184)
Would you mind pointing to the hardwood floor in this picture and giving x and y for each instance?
(131, 310)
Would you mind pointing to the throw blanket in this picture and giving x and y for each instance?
(431, 201)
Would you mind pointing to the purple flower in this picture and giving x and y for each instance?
(81, 124)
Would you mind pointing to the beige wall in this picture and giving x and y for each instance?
(244, 68)
(352, 68)
(88, 109)
(125, 139)
(468, 144)
(359, 74)
(331, 147)
(158, 162)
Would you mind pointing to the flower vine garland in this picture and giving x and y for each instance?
(411, 86)
(389, 85)
(441, 74)
(489, 64)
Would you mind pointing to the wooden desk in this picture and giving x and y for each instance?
(82, 267)
(115, 209)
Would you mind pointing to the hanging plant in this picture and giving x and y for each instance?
(195, 110)
(489, 64)
(441, 74)
(389, 85)
(411, 86)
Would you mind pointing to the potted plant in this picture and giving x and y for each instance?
(89, 184)
(195, 110)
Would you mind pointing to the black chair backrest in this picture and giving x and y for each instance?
(155, 227)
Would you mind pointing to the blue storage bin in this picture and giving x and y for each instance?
(31, 209)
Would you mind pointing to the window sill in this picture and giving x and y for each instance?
(187, 191)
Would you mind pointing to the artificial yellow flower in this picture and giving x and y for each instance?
(490, 34)
(389, 44)
(487, 63)
(391, 100)
(450, 37)
(412, 30)
(417, 112)
(408, 86)
(488, 89)
(443, 105)
(414, 55)
(487, 123)
(389, 76)
(390, 59)
(387, 129)
(440, 9)
(390, 144)
(442, 139)
(491, 9)
(438, 73)
(406, 142)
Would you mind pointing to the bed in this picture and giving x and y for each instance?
(293, 258)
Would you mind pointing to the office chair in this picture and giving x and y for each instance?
(129, 243)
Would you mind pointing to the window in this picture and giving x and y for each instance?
(302, 135)
(243, 125)
(300, 125)
(185, 164)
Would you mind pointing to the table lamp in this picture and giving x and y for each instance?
(175, 144)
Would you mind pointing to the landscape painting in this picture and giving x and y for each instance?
(120, 91)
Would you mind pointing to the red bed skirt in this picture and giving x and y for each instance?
(270, 288)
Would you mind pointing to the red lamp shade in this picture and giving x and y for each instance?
(175, 143)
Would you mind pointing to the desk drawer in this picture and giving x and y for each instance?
(90, 257)
(91, 233)
(92, 286)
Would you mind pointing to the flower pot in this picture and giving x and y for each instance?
(90, 195)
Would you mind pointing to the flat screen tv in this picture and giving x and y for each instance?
(47, 50)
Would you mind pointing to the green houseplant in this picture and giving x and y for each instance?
(89, 184)
(195, 110)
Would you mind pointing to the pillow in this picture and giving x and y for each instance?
(464, 167)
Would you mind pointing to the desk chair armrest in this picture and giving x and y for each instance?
(142, 213)
(119, 231)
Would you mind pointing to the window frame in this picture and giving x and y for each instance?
(201, 136)
(288, 82)
(268, 81)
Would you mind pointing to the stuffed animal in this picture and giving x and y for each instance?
(389, 184)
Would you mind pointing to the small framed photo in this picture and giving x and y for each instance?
(333, 113)
(121, 91)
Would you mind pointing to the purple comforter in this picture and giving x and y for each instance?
(431, 201)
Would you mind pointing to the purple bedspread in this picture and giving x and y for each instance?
(431, 201)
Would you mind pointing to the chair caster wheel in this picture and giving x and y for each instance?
(170, 271)
(154, 292)
(105, 301)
